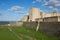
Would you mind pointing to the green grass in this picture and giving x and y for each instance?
(5, 34)
(23, 33)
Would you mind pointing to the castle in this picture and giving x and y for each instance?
(36, 15)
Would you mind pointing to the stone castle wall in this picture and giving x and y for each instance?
(49, 28)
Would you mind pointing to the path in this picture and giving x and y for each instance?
(14, 33)
(20, 36)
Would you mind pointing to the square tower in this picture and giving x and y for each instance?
(34, 13)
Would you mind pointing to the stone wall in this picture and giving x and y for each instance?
(15, 24)
(30, 24)
(49, 28)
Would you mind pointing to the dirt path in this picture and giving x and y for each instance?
(14, 33)
(29, 37)
(20, 36)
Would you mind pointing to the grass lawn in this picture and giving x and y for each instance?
(5, 34)
(22, 33)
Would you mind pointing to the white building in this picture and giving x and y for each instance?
(34, 13)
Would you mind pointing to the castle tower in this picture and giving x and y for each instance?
(34, 13)
(25, 18)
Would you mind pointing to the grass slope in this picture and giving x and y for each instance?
(30, 34)
(5, 34)
(23, 33)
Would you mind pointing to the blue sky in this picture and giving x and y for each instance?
(14, 10)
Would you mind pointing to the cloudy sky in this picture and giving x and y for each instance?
(14, 10)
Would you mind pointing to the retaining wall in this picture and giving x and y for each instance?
(49, 28)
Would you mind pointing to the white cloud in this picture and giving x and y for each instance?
(19, 12)
(50, 6)
(44, 1)
(15, 8)
(49, 3)
(54, 3)
(57, 4)
(36, 1)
